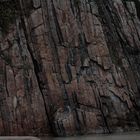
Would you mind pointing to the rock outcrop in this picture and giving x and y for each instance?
(69, 67)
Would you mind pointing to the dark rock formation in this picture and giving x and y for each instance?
(69, 66)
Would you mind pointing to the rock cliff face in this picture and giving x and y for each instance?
(69, 67)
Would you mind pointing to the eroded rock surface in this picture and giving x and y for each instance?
(71, 67)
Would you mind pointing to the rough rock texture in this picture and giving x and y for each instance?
(71, 67)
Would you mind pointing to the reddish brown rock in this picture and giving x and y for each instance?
(70, 67)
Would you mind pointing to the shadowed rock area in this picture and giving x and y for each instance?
(69, 67)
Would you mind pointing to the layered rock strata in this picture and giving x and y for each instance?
(70, 67)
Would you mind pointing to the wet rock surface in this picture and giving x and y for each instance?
(71, 67)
